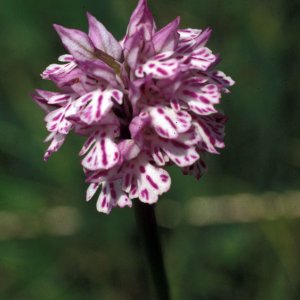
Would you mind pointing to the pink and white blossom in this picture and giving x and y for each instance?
(143, 103)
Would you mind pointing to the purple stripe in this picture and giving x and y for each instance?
(161, 71)
(170, 122)
(104, 156)
(150, 180)
(190, 93)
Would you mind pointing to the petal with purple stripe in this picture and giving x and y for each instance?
(97, 104)
(159, 67)
(211, 132)
(168, 123)
(221, 79)
(179, 153)
(112, 195)
(91, 190)
(56, 120)
(57, 140)
(57, 71)
(103, 154)
(200, 98)
(152, 181)
(188, 34)
(202, 59)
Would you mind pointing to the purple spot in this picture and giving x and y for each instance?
(145, 194)
(142, 169)
(140, 70)
(103, 202)
(133, 190)
(170, 122)
(160, 111)
(159, 56)
(104, 157)
(175, 104)
(164, 178)
(162, 71)
(86, 99)
(150, 180)
(151, 65)
(116, 95)
(190, 94)
(62, 98)
(98, 113)
(184, 121)
(204, 100)
(178, 161)
(57, 117)
(116, 156)
(162, 131)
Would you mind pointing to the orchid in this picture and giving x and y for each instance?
(143, 103)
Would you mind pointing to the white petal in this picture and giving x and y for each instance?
(152, 182)
(112, 195)
(92, 189)
(104, 154)
(159, 67)
(181, 154)
(200, 98)
(168, 123)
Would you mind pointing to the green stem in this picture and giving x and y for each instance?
(146, 222)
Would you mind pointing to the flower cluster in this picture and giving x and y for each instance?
(142, 103)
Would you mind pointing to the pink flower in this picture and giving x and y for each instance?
(143, 103)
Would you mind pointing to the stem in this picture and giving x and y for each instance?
(146, 222)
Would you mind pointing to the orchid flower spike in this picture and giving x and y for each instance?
(143, 103)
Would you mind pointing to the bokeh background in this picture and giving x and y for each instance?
(233, 235)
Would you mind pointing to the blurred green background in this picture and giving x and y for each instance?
(232, 235)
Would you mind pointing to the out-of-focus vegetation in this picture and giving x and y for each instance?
(53, 245)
